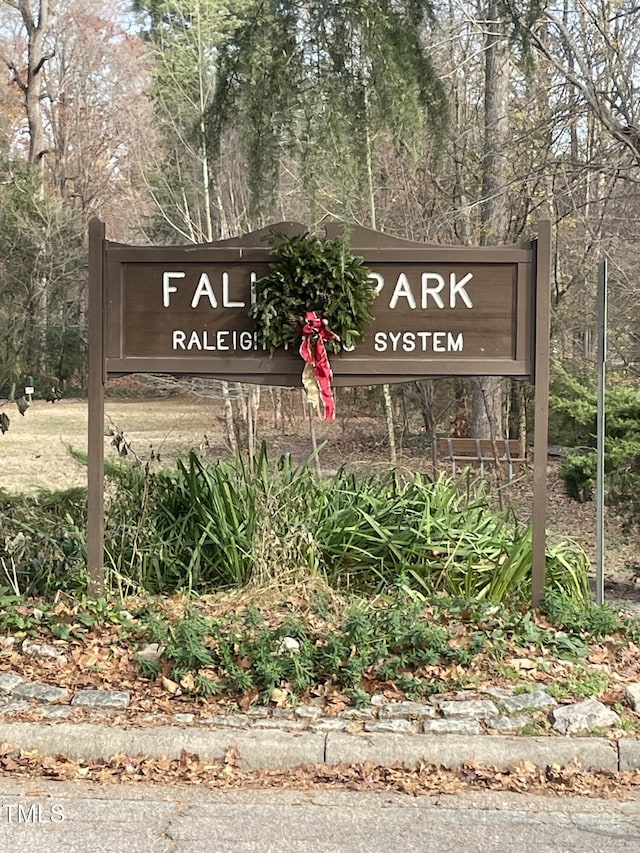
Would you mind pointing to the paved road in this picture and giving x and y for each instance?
(49, 817)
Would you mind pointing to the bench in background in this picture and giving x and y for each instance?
(481, 451)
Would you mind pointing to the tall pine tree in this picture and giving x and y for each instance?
(303, 86)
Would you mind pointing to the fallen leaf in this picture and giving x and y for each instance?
(247, 700)
(522, 663)
(170, 686)
(279, 697)
(188, 682)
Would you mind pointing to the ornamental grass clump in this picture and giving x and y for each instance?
(226, 524)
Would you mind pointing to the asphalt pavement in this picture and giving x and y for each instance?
(53, 817)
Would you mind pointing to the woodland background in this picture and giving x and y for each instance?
(439, 120)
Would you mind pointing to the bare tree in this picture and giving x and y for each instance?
(486, 414)
(99, 116)
(28, 72)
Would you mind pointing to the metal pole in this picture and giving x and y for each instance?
(95, 472)
(541, 410)
(601, 428)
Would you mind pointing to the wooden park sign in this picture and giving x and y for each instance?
(439, 311)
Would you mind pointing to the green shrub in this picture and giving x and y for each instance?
(574, 407)
(394, 641)
(42, 541)
(593, 620)
(210, 526)
(236, 655)
(43, 537)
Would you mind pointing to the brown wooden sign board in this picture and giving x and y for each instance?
(440, 311)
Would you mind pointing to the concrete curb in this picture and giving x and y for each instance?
(272, 749)
(258, 749)
(453, 750)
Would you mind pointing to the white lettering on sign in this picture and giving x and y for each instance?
(204, 289)
(226, 298)
(379, 281)
(224, 340)
(168, 288)
(403, 289)
(421, 341)
(431, 293)
(432, 290)
(457, 287)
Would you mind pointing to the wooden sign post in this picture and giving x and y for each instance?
(439, 311)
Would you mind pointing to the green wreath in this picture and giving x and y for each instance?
(310, 273)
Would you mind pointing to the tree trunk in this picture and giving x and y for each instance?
(312, 434)
(36, 26)
(253, 406)
(487, 391)
(228, 417)
(388, 408)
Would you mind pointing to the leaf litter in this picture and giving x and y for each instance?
(104, 656)
(422, 779)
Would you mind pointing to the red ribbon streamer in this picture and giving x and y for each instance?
(315, 331)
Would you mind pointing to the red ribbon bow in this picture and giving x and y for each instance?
(315, 331)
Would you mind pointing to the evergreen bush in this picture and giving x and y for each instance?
(574, 412)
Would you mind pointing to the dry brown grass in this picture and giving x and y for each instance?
(34, 454)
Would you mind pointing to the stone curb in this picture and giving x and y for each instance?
(274, 749)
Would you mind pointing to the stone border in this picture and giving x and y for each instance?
(497, 710)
